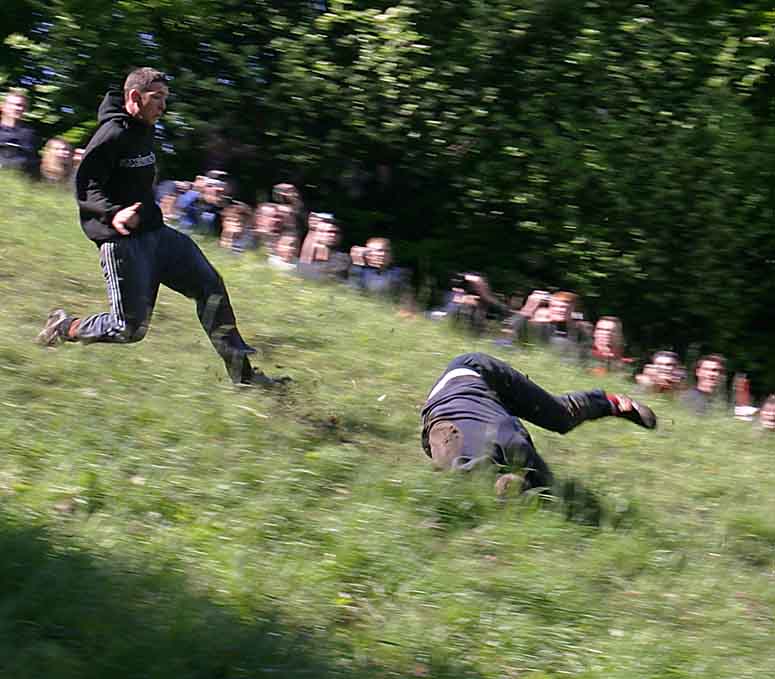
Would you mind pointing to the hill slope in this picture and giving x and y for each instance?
(158, 522)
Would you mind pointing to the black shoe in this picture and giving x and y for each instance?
(55, 330)
(637, 413)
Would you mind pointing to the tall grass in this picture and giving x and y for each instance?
(158, 522)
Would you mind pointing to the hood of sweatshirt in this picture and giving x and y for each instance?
(112, 108)
(117, 170)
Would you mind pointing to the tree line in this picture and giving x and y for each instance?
(623, 150)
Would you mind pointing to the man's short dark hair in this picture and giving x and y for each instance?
(142, 79)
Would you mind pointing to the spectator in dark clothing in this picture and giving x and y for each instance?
(471, 302)
(138, 252)
(324, 261)
(536, 305)
(200, 208)
(471, 417)
(371, 272)
(18, 143)
(552, 319)
(710, 372)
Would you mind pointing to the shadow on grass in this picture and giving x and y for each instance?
(453, 508)
(65, 612)
(580, 504)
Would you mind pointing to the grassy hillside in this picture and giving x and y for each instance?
(157, 522)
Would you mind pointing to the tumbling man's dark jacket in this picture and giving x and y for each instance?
(117, 170)
(18, 148)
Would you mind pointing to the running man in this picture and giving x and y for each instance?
(138, 252)
(471, 416)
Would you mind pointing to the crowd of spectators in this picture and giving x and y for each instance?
(308, 244)
(557, 321)
(293, 239)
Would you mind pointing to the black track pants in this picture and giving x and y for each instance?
(134, 266)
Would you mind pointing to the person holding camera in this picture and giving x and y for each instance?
(471, 301)
(319, 258)
(371, 272)
(200, 208)
(663, 375)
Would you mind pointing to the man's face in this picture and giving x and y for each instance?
(709, 375)
(151, 104)
(214, 192)
(267, 219)
(559, 310)
(665, 369)
(604, 334)
(767, 416)
(327, 234)
(378, 255)
(14, 108)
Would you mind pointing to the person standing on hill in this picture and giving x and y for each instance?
(471, 417)
(138, 252)
(18, 143)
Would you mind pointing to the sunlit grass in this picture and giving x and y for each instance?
(156, 521)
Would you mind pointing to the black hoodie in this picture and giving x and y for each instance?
(117, 170)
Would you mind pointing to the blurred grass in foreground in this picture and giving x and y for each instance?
(157, 522)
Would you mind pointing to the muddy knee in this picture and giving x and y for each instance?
(446, 444)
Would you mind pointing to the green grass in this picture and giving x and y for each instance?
(157, 522)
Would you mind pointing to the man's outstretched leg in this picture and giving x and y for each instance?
(186, 270)
(524, 398)
(132, 288)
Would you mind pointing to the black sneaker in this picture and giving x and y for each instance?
(637, 413)
(55, 330)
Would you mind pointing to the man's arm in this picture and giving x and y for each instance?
(96, 208)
